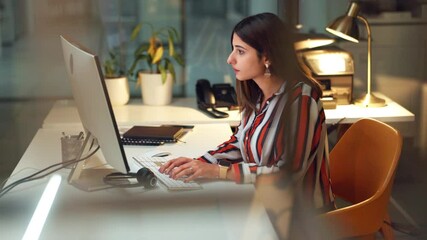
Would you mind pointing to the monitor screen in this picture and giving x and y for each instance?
(92, 101)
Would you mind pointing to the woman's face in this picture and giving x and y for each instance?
(245, 61)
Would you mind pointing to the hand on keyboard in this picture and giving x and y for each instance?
(190, 169)
(154, 163)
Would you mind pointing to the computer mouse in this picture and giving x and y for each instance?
(161, 154)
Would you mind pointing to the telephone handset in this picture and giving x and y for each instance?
(219, 95)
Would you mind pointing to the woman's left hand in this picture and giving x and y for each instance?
(189, 169)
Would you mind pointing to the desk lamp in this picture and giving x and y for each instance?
(346, 27)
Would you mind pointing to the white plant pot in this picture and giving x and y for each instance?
(118, 90)
(153, 91)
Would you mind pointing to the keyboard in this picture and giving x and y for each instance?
(154, 163)
(140, 142)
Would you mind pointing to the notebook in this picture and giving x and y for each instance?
(151, 133)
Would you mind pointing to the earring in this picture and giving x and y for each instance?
(267, 72)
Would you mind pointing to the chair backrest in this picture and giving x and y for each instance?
(364, 160)
(362, 168)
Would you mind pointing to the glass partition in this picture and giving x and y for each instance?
(31, 60)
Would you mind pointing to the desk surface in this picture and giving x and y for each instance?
(180, 111)
(391, 113)
(184, 111)
(221, 210)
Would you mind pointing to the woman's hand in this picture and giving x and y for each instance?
(189, 169)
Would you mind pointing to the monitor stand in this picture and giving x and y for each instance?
(91, 178)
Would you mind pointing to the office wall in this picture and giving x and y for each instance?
(7, 22)
(314, 15)
(310, 19)
(257, 6)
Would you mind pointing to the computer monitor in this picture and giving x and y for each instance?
(96, 113)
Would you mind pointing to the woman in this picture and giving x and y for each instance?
(283, 122)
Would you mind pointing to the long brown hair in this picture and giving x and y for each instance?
(270, 37)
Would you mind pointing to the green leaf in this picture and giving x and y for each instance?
(135, 63)
(163, 73)
(143, 48)
(171, 47)
(136, 31)
(171, 70)
(178, 59)
(174, 34)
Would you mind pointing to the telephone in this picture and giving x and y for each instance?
(219, 95)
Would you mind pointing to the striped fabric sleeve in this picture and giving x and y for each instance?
(228, 150)
(247, 172)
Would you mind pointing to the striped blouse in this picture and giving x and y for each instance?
(282, 134)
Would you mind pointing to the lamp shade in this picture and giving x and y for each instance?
(346, 26)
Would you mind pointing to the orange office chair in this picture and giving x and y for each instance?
(362, 168)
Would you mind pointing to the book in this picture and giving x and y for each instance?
(153, 133)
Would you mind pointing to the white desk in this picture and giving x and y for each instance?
(184, 111)
(221, 210)
(180, 111)
(393, 112)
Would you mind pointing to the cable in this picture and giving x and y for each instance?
(34, 176)
(30, 178)
(7, 179)
(335, 125)
(409, 230)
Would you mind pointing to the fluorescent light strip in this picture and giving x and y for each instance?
(42, 210)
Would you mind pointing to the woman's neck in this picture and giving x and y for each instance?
(269, 86)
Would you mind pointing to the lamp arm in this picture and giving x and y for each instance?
(368, 30)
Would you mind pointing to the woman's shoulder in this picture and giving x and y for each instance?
(305, 89)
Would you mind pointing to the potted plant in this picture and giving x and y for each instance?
(116, 80)
(158, 56)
